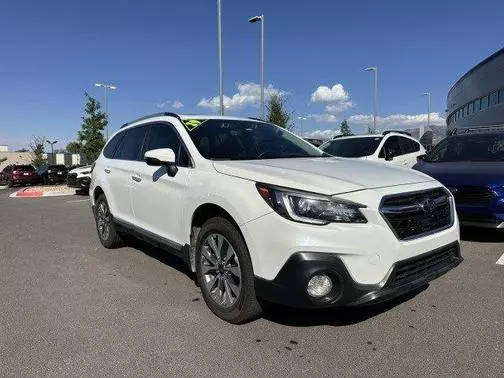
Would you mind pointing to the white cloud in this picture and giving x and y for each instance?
(336, 98)
(248, 94)
(177, 104)
(322, 134)
(326, 117)
(398, 120)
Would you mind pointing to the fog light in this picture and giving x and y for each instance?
(319, 286)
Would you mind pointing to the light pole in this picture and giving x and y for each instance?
(375, 102)
(428, 111)
(219, 43)
(52, 148)
(253, 20)
(301, 119)
(106, 87)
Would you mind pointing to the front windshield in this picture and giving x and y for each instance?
(218, 139)
(477, 147)
(352, 147)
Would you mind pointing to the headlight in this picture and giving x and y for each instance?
(310, 208)
(49, 171)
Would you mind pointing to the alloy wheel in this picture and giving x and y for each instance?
(221, 271)
(103, 220)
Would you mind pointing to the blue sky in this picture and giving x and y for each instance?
(158, 52)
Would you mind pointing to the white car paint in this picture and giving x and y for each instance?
(149, 198)
(406, 160)
(82, 171)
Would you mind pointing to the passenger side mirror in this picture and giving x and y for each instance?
(160, 157)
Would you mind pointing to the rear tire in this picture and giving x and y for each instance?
(224, 272)
(10, 184)
(107, 233)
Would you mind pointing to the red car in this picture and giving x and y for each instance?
(18, 175)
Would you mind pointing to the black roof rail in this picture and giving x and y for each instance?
(482, 128)
(256, 119)
(166, 114)
(396, 131)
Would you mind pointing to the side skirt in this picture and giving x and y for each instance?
(176, 249)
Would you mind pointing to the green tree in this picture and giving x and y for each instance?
(345, 128)
(37, 151)
(277, 114)
(73, 147)
(90, 136)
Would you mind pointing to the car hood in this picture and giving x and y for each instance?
(471, 173)
(321, 175)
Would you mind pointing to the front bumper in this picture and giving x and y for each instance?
(481, 216)
(79, 183)
(289, 286)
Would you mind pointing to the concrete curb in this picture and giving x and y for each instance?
(26, 193)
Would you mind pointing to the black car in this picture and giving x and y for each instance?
(52, 174)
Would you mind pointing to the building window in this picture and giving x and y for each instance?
(477, 104)
(501, 96)
(484, 102)
(470, 108)
(493, 99)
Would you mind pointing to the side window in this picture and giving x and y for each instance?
(111, 146)
(131, 144)
(409, 146)
(163, 135)
(392, 147)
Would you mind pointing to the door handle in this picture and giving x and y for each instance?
(136, 178)
(107, 170)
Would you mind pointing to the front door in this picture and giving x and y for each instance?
(157, 196)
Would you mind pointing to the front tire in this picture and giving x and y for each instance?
(107, 233)
(224, 272)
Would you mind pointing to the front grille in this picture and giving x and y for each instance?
(411, 215)
(72, 178)
(424, 265)
(472, 195)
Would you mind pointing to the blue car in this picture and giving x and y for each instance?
(471, 166)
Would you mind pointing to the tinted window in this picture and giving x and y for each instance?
(409, 146)
(484, 102)
(392, 147)
(24, 168)
(131, 144)
(477, 147)
(352, 147)
(501, 96)
(58, 167)
(111, 146)
(493, 99)
(219, 139)
(477, 105)
(165, 136)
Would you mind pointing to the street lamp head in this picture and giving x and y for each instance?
(255, 19)
(426, 94)
(370, 69)
(99, 85)
(112, 87)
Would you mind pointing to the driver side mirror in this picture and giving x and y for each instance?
(421, 157)
(162, 157)
(389, 155)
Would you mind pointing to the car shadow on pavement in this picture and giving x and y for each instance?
(162, 255)
(337, 316)
(481, 235)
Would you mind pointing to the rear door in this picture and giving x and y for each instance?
(120, 169)
(157, 197)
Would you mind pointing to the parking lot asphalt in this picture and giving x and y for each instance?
(70, 307)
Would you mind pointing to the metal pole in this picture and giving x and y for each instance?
(375, 110)
(219, 32)
(262, 65)
(106, 113)
(429, 109)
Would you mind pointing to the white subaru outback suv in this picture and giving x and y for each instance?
(257, 212)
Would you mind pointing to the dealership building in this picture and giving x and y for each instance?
(477, 98)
